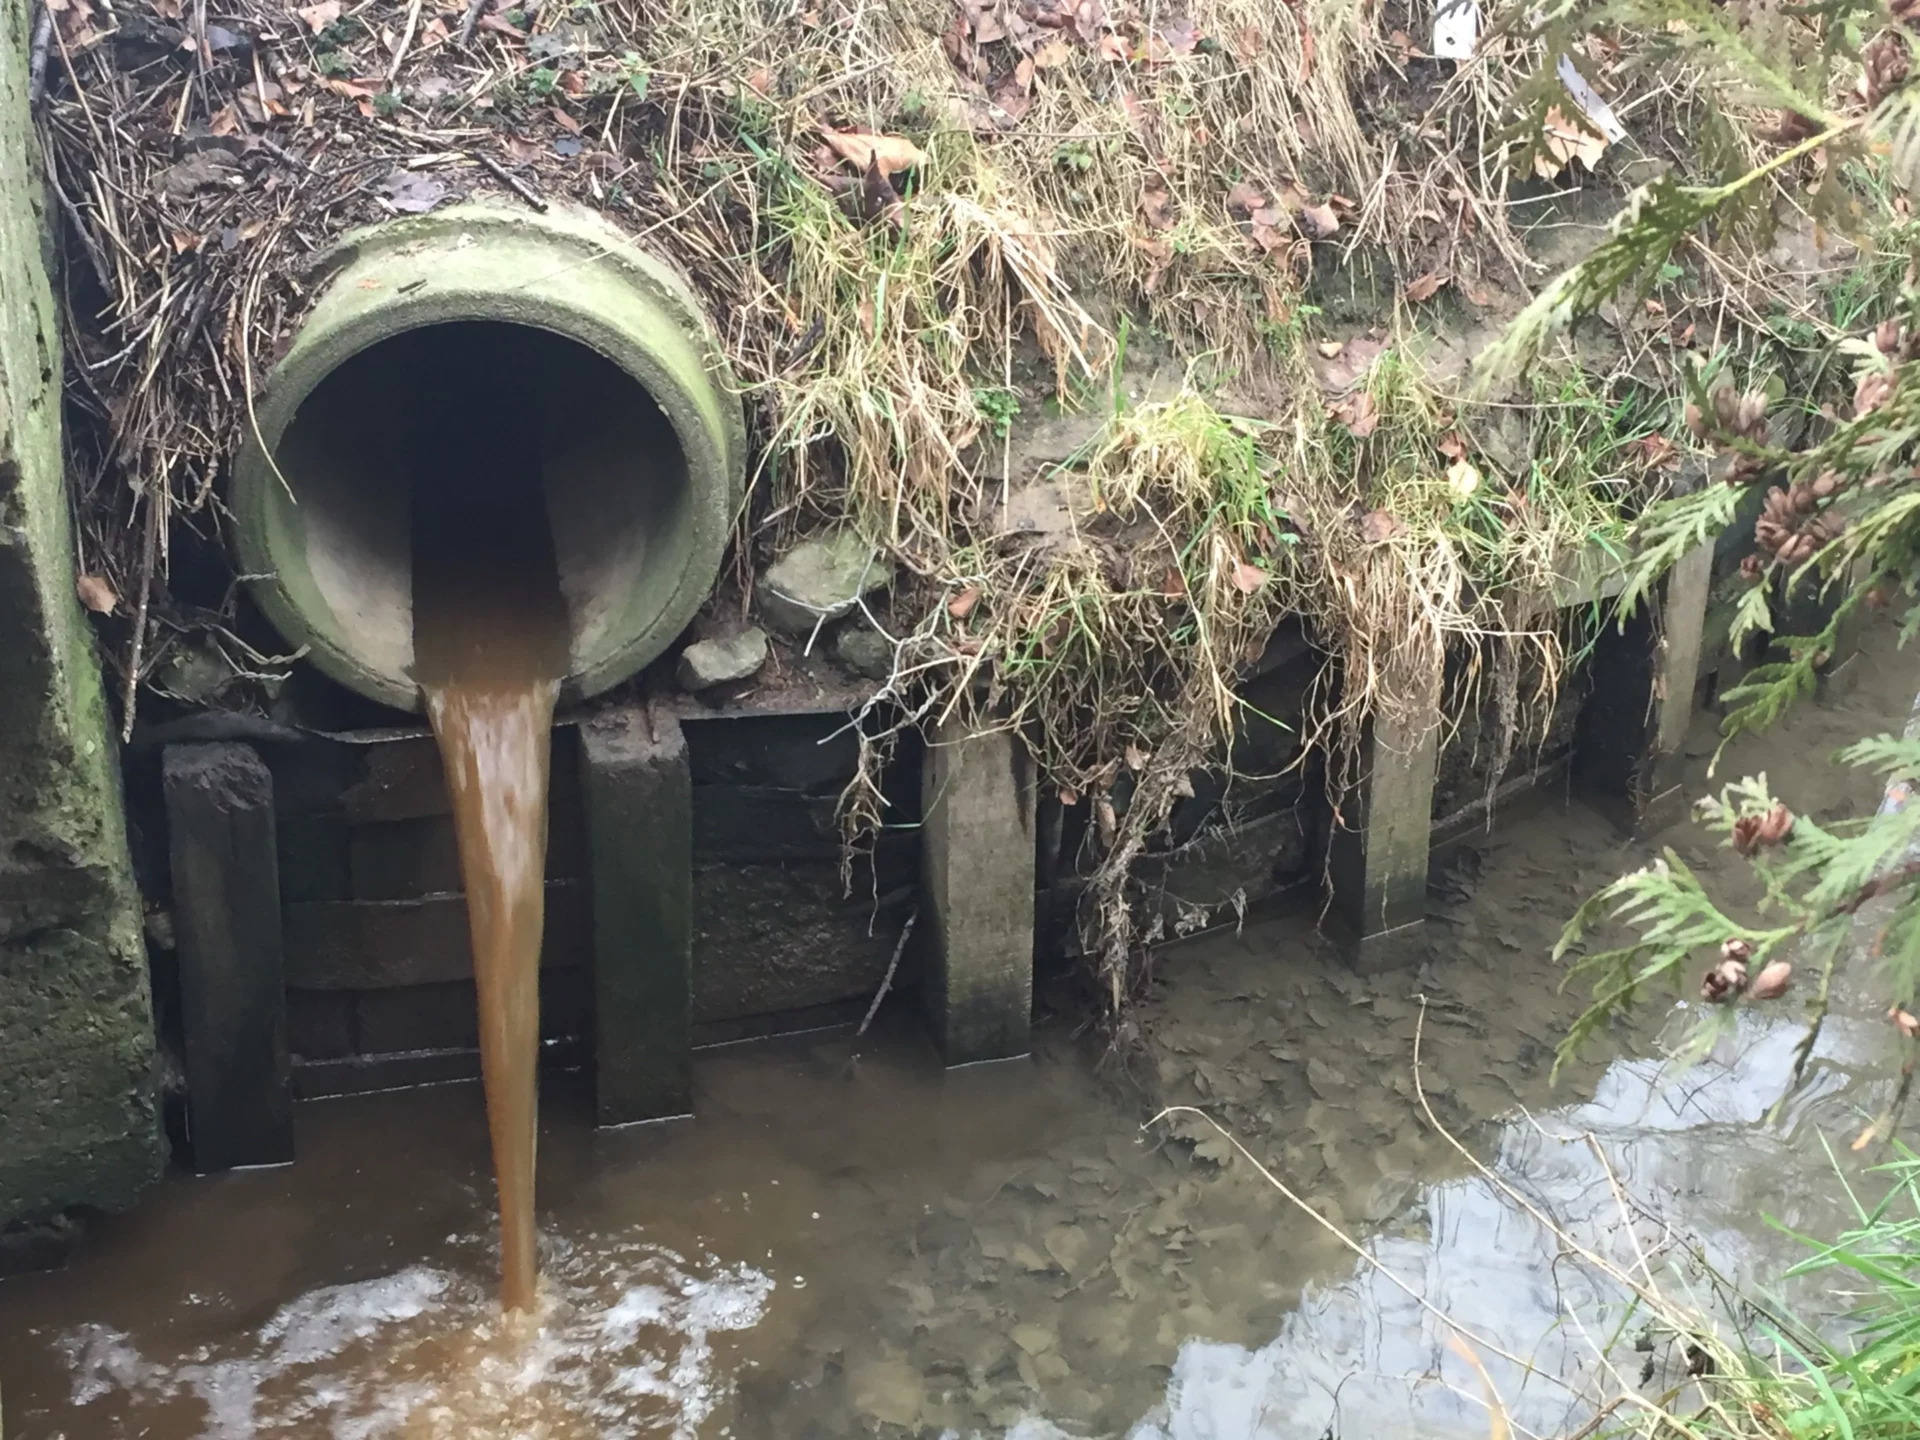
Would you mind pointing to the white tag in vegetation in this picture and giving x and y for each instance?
(1588, 99)
(1456, 29)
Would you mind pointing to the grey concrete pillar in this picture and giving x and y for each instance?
(1630, 744)
(226, 915)
(638, 792)
(1377, 860)
(977, 859)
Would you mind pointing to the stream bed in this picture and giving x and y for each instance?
(854, 1243)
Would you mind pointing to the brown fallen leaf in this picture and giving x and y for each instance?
(1330, 348)
(1248, 577)
(1426, 286)
(1248, 42)
(892, 154)
(1452, 445)
(1317, 222)
(760, 81)
(321, 15)
(1113, 49)
(500, 25)
(1246, 197)
(1055, 52)
(1136, 758)
(962, 604)
(1156, 203)
(564, 120)
(350, 89)
(1377, 527)
(1563, 140)
(1357, 413)
(96, 594)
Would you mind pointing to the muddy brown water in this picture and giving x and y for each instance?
(865, 1246)
(490, 650)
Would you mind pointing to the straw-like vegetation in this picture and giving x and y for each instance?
(896, 214)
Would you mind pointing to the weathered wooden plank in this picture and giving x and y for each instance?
(226, 901)
(770, 938)
(375, 944)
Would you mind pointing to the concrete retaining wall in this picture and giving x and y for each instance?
(77, 1115)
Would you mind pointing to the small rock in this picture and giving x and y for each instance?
(729, 657)
(826, 577)
(865, 650)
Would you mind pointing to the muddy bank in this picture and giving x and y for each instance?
(845, 1245)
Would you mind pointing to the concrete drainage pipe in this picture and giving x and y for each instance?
(639, 440)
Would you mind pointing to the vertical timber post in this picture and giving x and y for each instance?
(1630, 744)
(638, 792)
(1378, 861)
(233, 1000)
(977, 859)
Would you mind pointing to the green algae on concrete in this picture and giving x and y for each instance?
(77, 1112)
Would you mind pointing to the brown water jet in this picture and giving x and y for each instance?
(490, 651)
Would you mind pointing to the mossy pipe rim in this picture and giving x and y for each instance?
(568, 274)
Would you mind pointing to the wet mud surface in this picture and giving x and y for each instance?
(846, 1245)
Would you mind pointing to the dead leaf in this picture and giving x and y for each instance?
(890, 153)
(984, 22)
(1248, 577)
(1173, 584)
(500, 26)
(1136, 758)
(760, 82)
(1248, 42)
(1173, 41)
(1055, 52)
(1014, 99)
(1317, 222)
(225, 121)
(96, 594)
(1069, 796)
(1247, 197)
(524, 152)
(320, 15)
(1563, 140)
(1452, 446)
(412, 193)
(1357, 413)
(962, 604)
(1426, 286)
(1113, 49)
(1089, 19)
(1657, 452)
(1330, 348)
(1377, 527)
(1156, 203)
(564, 120)
(350, 89)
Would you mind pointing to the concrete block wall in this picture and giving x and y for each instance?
(78, 1121)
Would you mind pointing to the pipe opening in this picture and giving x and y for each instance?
(419, 451)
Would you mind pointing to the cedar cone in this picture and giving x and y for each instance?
(1734, 948)
(1754, 833)
(1885, 61)
(1788, 529)
(1909, 1023)
(1753, 570)
(1870, 392)
(1741, 416)
(1723, 982)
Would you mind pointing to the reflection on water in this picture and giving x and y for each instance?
(865, 1246)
